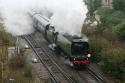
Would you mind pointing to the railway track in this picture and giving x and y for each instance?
(57, 75)
(98, 76)
(88, 77)
(84, 75)
(93, 76)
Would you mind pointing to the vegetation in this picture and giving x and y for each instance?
(108, 53)
(19, 62)
(0, 69)
(7, 38)
(119, 30)
(27, 71)
(113, 62)
(107, 40)
(17, 68)
(113, 20)
(119, 5)
(93, 5)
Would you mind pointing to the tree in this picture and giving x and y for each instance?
(104, 13)
(114, 19)
(93, 6)
(7, 38)
(119, 5)
(119, 30)
(97, 3)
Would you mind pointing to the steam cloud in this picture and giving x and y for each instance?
(66, 15)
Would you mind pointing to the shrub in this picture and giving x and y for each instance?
(119, 5)
(6, 37)
(114, 60)
(17, 62)
(119, 30)
(114, 19)
(110, 57)
(98, 44)
(104, 12)
(88, 30)
(110, 18)
(27, 71)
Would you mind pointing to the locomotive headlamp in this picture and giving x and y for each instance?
(89, 55)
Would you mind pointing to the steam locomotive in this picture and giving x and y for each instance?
(75, 49)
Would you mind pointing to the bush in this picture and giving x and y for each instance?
(119, 30)
(108, 50)
(27, 71)
(110, 18)
(119, 5)
(88, 30)
(104, 12)
(110, 57)
(98, 44)
(6, 37)
(114, 19)
(114, 60)
(17, 62)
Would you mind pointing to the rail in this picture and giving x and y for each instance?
(96, 75)
(57, 74)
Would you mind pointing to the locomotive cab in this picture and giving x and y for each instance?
(79, 48)
(80, 52)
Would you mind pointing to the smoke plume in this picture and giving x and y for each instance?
(66, 15)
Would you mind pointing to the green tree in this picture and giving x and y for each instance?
(114, 19)
(119, 30)
(93, 6)
(110, 18)
(104, 13)
(6, 37)
(119, 5)
(97, 4)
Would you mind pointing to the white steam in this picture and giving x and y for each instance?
(66, 15)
